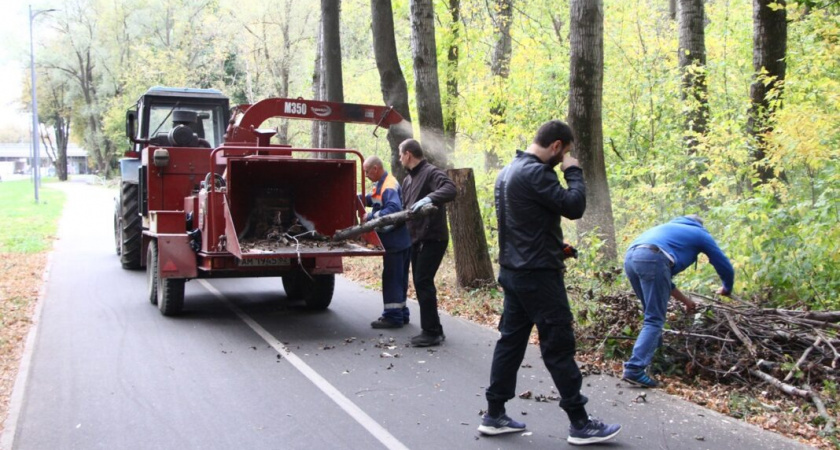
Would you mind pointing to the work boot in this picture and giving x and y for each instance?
(383, 322)
(427, 340)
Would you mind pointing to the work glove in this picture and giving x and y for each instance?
(420, 203)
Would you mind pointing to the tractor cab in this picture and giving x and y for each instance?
(162, 117)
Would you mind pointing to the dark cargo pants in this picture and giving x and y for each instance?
(536, 297)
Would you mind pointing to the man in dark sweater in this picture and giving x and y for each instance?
(426, 184)
(529, 204)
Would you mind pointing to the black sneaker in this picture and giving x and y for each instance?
(385, 323)
(593, 432)
(499, 425)
(427, 340)
(640, 379)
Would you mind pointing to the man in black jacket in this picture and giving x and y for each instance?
(529, 204)
(426, 184)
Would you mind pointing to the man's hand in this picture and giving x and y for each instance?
(420, 203)
(569, 161)
(569, 251)
(690, 305)
(722, 291)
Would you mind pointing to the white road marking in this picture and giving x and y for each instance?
(373, 427)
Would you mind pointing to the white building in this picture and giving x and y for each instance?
(17, 158)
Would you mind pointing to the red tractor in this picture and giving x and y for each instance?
(191, 206)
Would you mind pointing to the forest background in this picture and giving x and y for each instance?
(97, 57)
(776, 216)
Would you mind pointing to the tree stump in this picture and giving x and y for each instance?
(472, 261)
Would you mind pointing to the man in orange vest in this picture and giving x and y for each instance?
(385, 199)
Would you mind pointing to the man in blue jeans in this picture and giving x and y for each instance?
(650, 263)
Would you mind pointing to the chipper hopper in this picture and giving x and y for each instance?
(249, 208)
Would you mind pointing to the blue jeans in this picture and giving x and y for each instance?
(649, 272)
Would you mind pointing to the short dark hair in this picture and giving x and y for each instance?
(554, 130)
(413, 147)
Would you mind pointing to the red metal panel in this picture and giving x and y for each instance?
(167, 222)
(328, 265)
(175, 257)
(231, 241)
(169, 185)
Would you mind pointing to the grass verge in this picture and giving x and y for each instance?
(28, 231)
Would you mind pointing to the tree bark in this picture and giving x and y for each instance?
(330, 25)
(769, 50)
(500, 69)
(692, 57)
(426, 83)
(585, 95)
(450, 119)
(319, 129)
(391, 78)
(61, 128)
(285, 63)
(396, 218)
(472, 260)
(672, 9)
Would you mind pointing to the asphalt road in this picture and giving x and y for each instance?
(243, 368)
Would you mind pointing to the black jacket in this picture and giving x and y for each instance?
(529, 203)
(426, 180)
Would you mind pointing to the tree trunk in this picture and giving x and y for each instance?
(585, 93)
(426, 84)
(391, 78)
(62, 134)
(450, 119)
(285, 63)
(330, 13)
(319, 129)
(472, 260)
(769, 49)
(692, 56)
(672, 9)
(500, 69)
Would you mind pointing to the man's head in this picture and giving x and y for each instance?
(553, 140)
(411, 153)
(373, 168)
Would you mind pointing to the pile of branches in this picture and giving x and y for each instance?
(736, 342)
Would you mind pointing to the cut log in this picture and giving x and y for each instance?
(384, 221)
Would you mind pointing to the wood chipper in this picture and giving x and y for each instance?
(248, 208)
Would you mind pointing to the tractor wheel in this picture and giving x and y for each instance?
(129, 232)
(166, 293)
(117, 226)
(152, 272)
(170, 296)
(316, 292)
